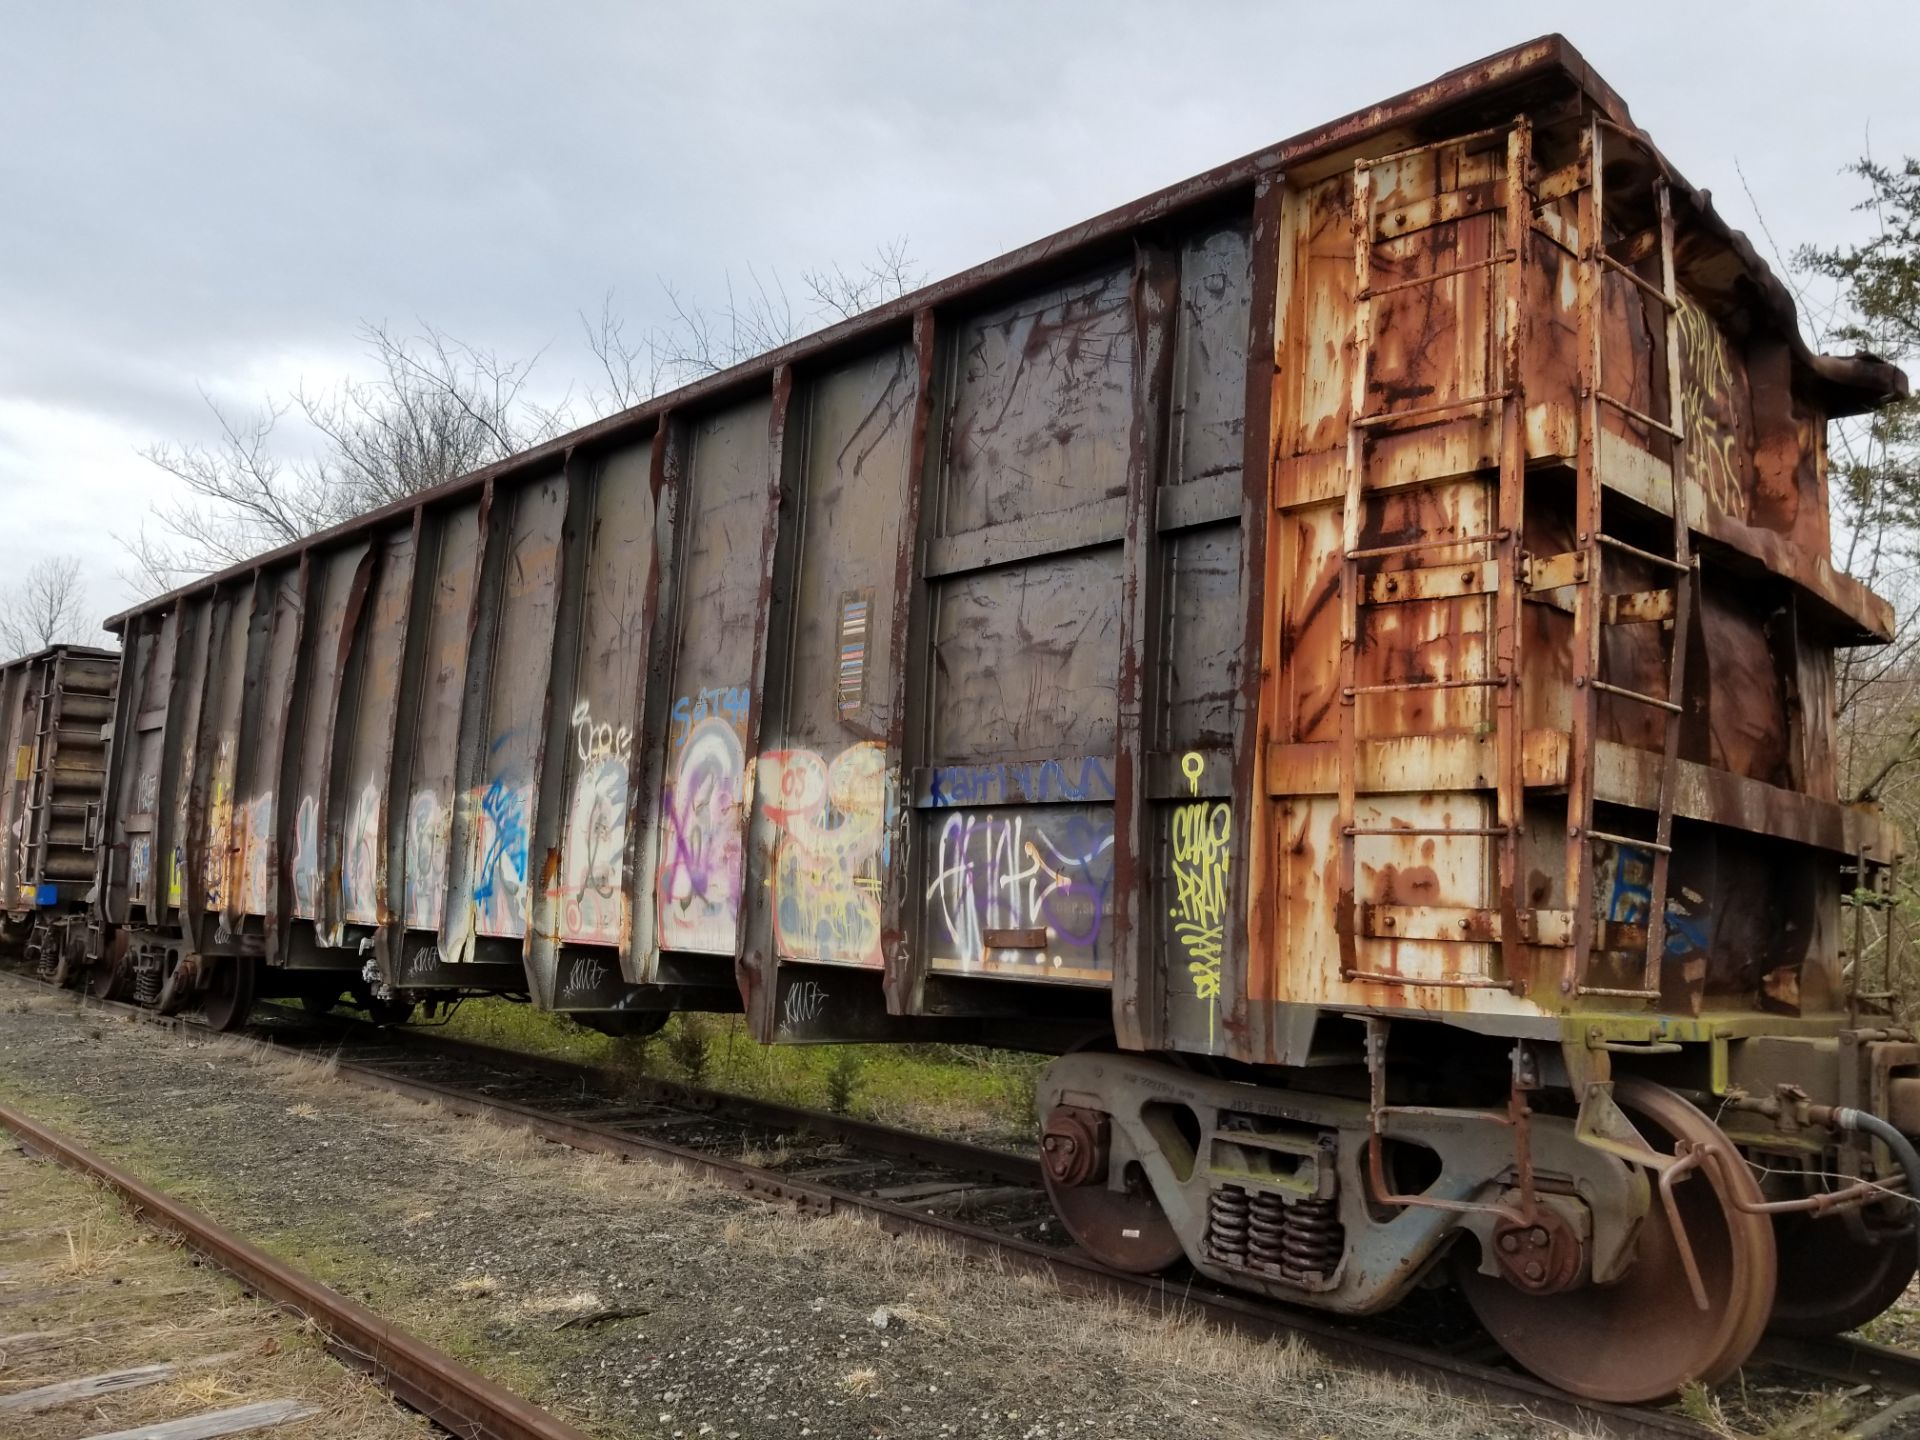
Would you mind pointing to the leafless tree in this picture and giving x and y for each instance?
(47, 607)
(759, 316)
(434, 409)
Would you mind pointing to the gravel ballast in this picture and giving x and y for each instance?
(638, 1302)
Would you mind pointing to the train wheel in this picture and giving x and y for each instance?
(1832, 1280)
(108, 979)
(1643, 1337)
(227, 999)
(1123, 1229)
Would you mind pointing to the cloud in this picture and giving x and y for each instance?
(213, 197)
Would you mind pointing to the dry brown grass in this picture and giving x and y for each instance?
(109, 1294)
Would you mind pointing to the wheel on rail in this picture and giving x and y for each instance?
(1123, 1228)
(108, 977)
(1643, 1337)
(1833, 1279)
(227, 997)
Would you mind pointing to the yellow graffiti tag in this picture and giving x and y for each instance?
(1201, 832)
(1709, 454)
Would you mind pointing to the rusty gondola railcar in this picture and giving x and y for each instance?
(54, 705)
(1344, 647)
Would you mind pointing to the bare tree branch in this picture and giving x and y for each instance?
(47, 607)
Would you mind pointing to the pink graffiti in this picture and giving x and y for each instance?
(698, 885)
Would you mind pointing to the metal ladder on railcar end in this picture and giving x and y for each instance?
(1596, 611)
(37, 818)
(1503, 923)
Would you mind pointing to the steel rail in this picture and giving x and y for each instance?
(1247, 1315)
(454, 1397)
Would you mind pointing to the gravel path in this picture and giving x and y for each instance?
(641, 1303)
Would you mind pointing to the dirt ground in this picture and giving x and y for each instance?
(87, 1291)
(637, 1302)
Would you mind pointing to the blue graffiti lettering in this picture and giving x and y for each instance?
(1630, 901)
(1074, 780)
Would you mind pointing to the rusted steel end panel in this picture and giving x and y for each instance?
(1549, 497)
(54, 707)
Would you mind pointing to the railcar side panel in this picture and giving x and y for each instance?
(497, 808)
(436, 715)
(359, 809)
(601, 715)
(828, 779)
(721, 607)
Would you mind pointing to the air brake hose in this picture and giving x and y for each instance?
(1845, 1117)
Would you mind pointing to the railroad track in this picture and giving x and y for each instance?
(989, 1202)
(459, 1400)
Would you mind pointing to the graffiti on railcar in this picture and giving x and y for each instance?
(1049, 872)
(426, 857)
(500, 882)
(1710, 452)
(1202, 834)
(805, 1002)
(360, 848)
(255, 848)
(215, 862)
(306, 858)
(1623, 893)
(595, 846)
(830, 820)
(1002, 782)
(698, 885)
(139, 863)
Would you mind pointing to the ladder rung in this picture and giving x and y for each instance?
(1445, 982)
(1378, 552)
(1637, 278)
(1682, 566)
(1416, 831)
(1400, 687)
(1634, 841)
(1632, 414)
(1374, 292)
(1426, 413)
(1644, 699)
(1617, 994)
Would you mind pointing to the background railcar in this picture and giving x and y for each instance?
(1355, 630)
(54, 706)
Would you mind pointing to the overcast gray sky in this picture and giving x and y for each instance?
(213, 196)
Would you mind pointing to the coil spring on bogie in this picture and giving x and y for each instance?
(1314, 1238)
(1266, 1231)
(146, 980)
(1227, 1214)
